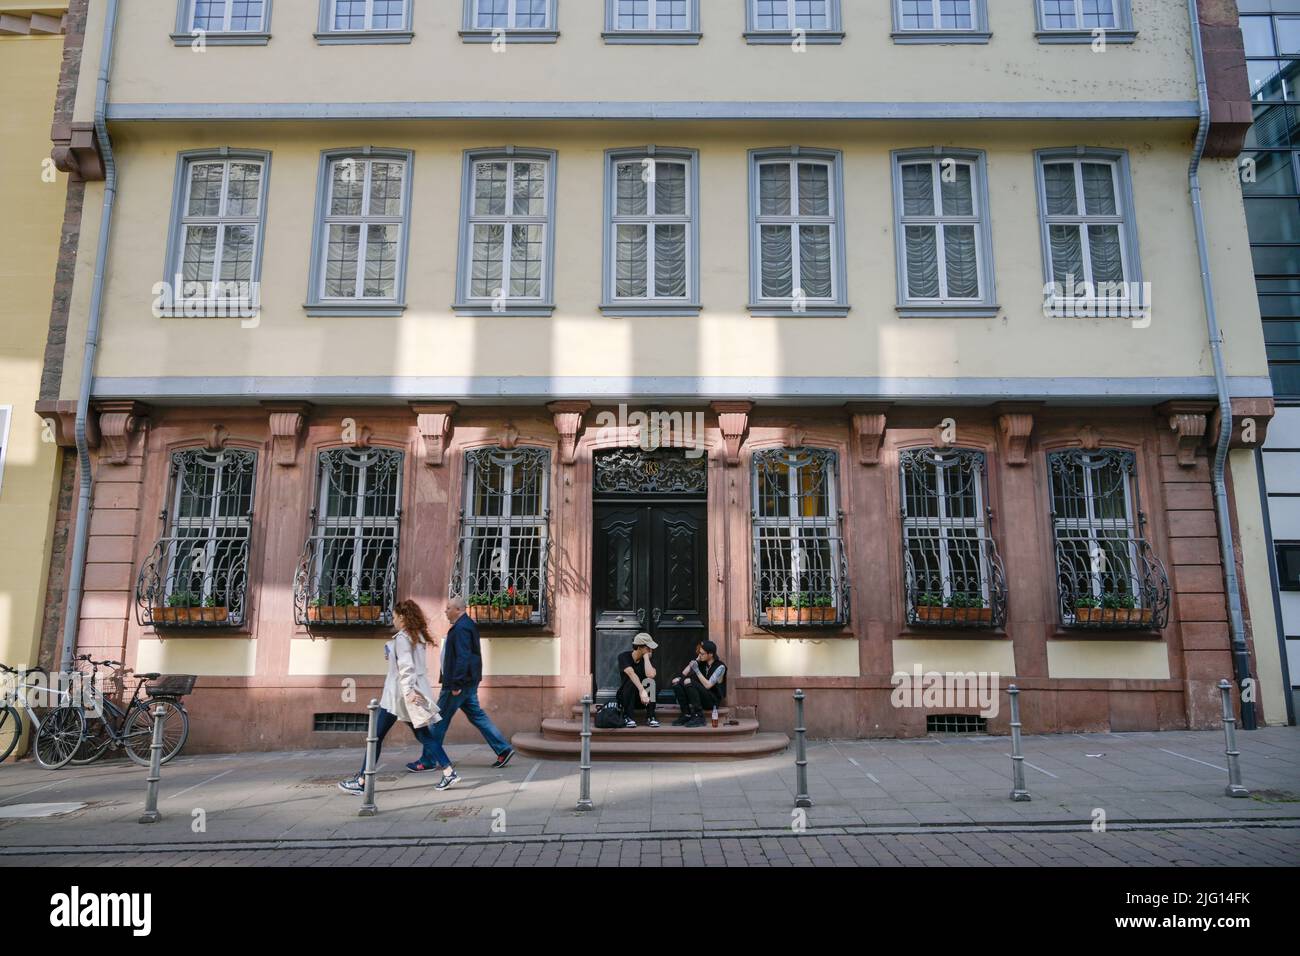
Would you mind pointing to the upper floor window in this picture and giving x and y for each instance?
(223, 22)
(790, 21)
(798, 553)
(651, 246)
(944, 243)
(348, 570)
(1273, 55)
(501, 562)
(952, 572)
(1106, 574)
(1084, 21)
(365, 21)
(214, 254)
(652, 21)
(359, 249)
(197, 573)
(940, 21)
(1089, 239)
(797, 233)
(514, 21)
(507, 256)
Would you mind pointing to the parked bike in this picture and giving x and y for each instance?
(57, 731)
(131, 728)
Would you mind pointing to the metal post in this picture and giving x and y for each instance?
(584, 763)
(368, 808)
(1018, 792)
(1234, 787)
(801, 798)
(151, 814)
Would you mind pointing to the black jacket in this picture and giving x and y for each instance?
(462, 657)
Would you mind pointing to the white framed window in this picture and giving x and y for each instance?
(940, 21)
(506, 259)
(1083, 21)
(797, 233)
(362, 215)
(944, 242)
(364, 21)
(652, 21)
(651, 238)
(223, 22)
(784, 21)
(515, 21)
(1089, 238)
(214, 247)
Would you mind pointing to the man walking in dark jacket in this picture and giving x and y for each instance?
(461, 671)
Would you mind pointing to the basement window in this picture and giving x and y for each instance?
(340, 723)
(956, 724)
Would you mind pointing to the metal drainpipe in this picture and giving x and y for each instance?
(81, 530)
(1236, 621)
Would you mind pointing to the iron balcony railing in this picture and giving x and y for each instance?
(800, 574)
(1110, 582)
(195, 580)
(347, 577)
(956, 582)
(514, 598)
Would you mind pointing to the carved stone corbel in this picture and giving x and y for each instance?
(869, 423)
(568, 422)
(1089, 438)
(1015, 427)
(1189, 421)
(795, 434)
(733, 422)
(434, 421)
(288, 419)
(217, 437)
(118, 423)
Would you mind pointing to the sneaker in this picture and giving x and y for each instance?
(503, 759)
(696, 721)
(419, 766)
(652, 722)
(352, 785)
(682, 720)
(448, 781)
(629, 722)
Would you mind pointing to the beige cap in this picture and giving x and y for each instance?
(645, 640)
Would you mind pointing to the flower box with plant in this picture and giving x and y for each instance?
(823, 608)
(191, 607)
(798, 609)
(345, 606)
(1113, 607)
(960, 607)
(508, 606)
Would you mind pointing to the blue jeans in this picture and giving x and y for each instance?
(467, 700)
(433, 752)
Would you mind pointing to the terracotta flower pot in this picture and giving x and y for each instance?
(821, 613)
(521, 612)
(954, 615)
(783, 615)
(1113, 615)
(190, 615)
(343, 614)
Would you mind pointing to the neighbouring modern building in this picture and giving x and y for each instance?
(1270, 172)
(32, 194)
(859, 338)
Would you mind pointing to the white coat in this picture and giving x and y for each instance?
(407, 673)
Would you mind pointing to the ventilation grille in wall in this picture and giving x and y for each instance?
(340, 723)
(956, 724)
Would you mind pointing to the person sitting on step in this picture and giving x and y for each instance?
(638, 683)
(701, 686)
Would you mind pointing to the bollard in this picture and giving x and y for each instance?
(1234, 787)
(584, 763)
(1018, 792)
(368, 808)
(801, 798)
(151, 814)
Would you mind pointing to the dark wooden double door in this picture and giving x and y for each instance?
(649, 566)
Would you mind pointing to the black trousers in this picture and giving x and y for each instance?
(695, 697)
(629, 698)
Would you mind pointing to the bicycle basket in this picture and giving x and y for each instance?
(171, 685)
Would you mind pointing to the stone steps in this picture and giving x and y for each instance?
(709, 746)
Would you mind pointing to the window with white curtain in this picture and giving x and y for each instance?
(365, 21)
(652, 21)
(1077, 21)
(514, 20)
(949, 21)
(361, 233)
(782, 21)
(797, 231)
(224, 16)
(1088, 236)
(506, 251)
(651, 252)
(944, 243)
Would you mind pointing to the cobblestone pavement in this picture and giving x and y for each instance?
(1198, 845)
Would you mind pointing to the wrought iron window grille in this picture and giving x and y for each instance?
(502, 558)
(197, 573)
(1107, 575)
(347, 575)
(953, 574)
(800, 567)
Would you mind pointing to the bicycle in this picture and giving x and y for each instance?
(57, 735)
(132, 728)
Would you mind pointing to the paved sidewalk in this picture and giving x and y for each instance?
(880, 785)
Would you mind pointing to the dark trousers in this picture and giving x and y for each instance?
(383, 725)
(629, 699)
(695, 697)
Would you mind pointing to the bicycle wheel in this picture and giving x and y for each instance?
(93, 743)
(137, 735)
(11, 730)
(58, 736)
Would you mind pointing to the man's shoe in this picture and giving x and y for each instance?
(652, 722)
(419, 766)
(629, 722)
(682, 720)
(352, 785)
(696, 721)
(503, 759)
(448, 780)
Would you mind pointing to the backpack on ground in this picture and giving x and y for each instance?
(609, 717)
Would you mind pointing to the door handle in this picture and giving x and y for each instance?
(657, 614)
(640, 616)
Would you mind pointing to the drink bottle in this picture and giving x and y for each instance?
(715, 715)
